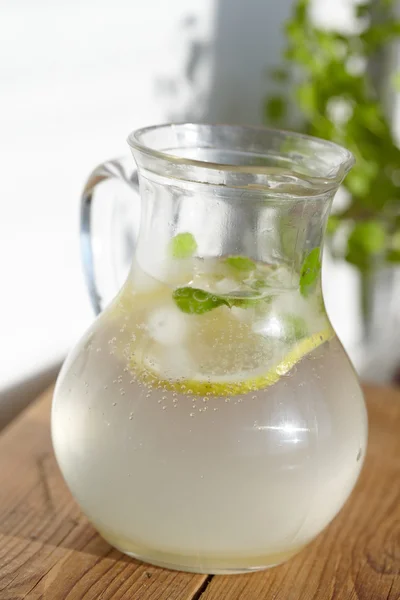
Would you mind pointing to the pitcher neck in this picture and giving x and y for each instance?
(227, 222)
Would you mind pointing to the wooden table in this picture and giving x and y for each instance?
(48, 551)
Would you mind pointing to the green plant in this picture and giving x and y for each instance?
(329, 77)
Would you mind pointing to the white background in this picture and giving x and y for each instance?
(75, 77)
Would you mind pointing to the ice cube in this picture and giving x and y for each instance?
(244, 315)
(271, 327)
(168, 326)
(225, 286)
(178, 271)
(281, 278)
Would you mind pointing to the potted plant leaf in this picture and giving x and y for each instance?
(334, 80)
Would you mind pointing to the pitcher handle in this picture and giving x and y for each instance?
(106, 260)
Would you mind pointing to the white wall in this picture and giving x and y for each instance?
(75, 78)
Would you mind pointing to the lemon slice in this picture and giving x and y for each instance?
(232, 385)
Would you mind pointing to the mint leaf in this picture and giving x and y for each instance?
(244, 302)
(183, 245)
(195, 301)
(295, 327)
(241, 263)
(310, 271)
(258, 284)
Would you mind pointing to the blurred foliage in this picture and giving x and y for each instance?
(330, 77)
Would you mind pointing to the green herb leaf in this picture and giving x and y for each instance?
(329, 65)
(241, 263)
(195, 301)
(280, 74)
(275, 108)
(258, 284)
(247, 302)
(310, 271)
(183, 245)
(395, 81)
(333, 225)
(367, 240)
(369, 236)
(393, 256)
(295, 327)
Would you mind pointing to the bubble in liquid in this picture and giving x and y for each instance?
(164, 407)
(254, 397)
(191, 414)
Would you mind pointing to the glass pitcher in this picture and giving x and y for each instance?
(210, 420)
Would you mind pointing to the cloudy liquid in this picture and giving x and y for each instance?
(198, 482)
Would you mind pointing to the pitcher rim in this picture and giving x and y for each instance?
(345, 157)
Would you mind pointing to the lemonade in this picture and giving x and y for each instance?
(210, 420)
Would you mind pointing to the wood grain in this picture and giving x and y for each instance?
(48, 551)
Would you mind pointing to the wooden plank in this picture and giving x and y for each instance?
(48, 551)
(358, 556)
